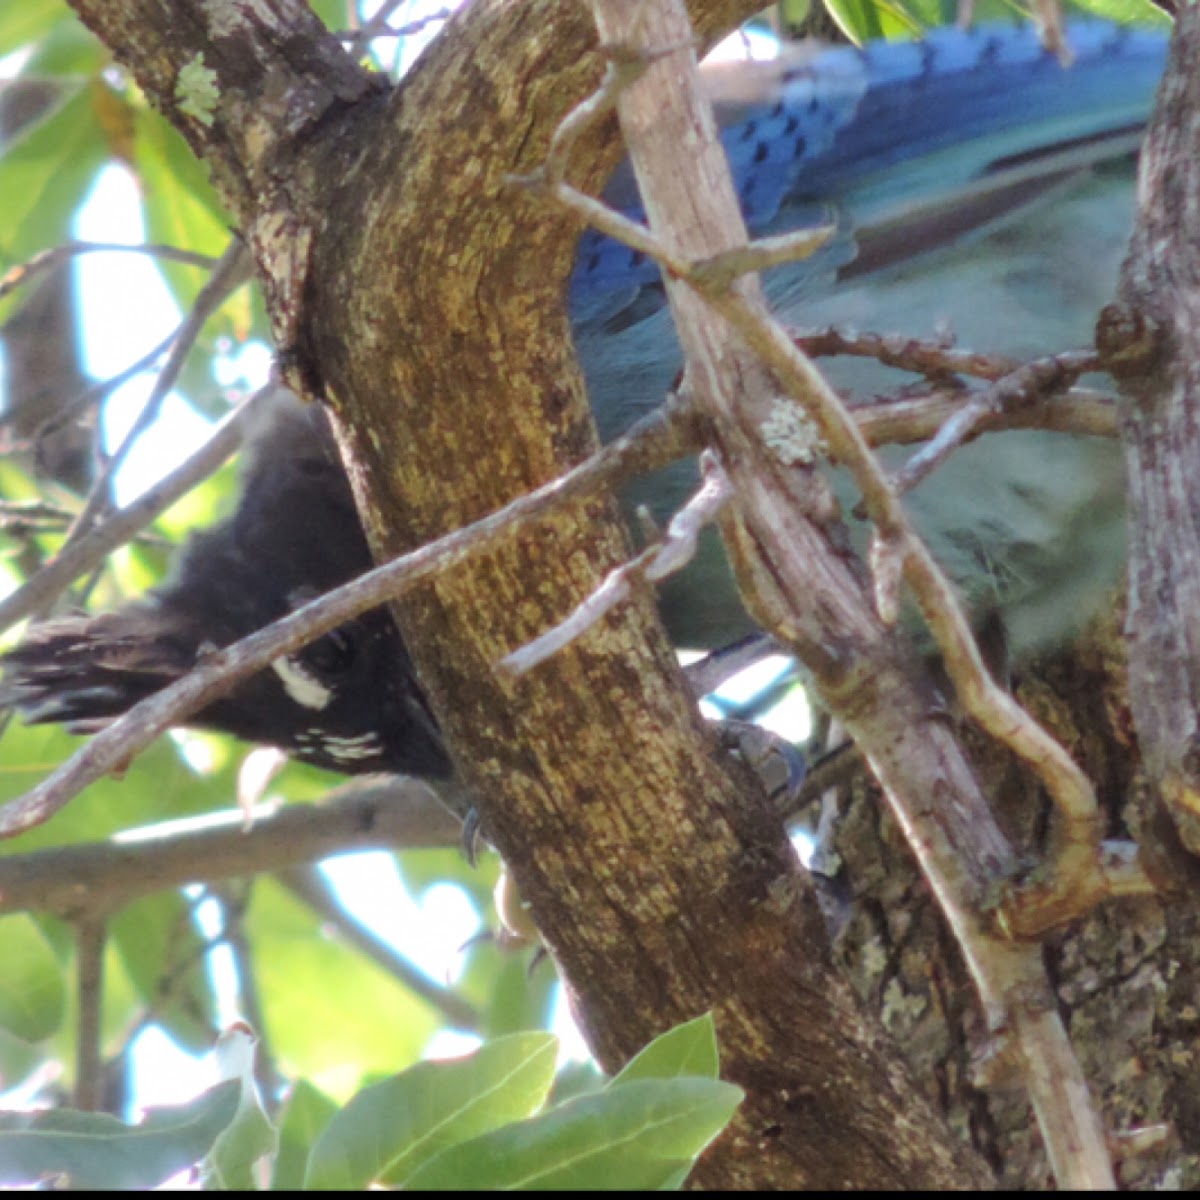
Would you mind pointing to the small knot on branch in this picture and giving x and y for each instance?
(1129, 342)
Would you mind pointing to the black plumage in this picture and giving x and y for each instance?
(348, 702)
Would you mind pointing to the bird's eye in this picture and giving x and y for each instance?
(332, 654)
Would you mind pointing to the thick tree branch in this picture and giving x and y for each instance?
(797, 557)
(1152, 344)
(229, 272)
(75, 882)
(250, 86)
(590, 777)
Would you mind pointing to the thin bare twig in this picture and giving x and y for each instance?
(760, 255)
(933, 358)
(904, 420)
(357, 40)
(97, 391)
(228, 274)
(233, 935)
(1037, 380)
(1068, 1120)
(90, 936)
(24, 518)
(669, 554)
(1050, 20)
(99, 878)
(916, 418)
(1075, 883)
(47, 260)
(89, 550)
(33, 515)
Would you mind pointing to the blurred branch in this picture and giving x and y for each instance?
(1030, 394)
(903, 420)
(89, 550)
(1038, 380)
(229, 273)
(309, 885)
(79, 403)
(358, 40)
(74, 882)
(233, 934)
(45, 261)
(90, 937)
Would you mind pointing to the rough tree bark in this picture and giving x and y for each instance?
(1152, 340)
(1126, 978)
(419, 294)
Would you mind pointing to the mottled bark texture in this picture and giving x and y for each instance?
(1126, 979)
(419, 293)
(1152, 339)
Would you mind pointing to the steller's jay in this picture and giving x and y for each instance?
(976, 186)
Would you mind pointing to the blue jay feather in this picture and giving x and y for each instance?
(873, 136)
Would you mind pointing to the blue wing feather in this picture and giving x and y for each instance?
(891, 128)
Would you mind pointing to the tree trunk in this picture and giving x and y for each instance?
(1126, 977)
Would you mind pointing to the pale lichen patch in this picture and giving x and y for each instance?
(196, 90)
(791, 434)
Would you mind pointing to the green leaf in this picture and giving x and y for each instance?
(46, 172)
(335, 14)
(688, 1049)
(577, 1078)
(94, 1150)
(390, 1129)
(309, 980)
(513, 993)
(305, 1115)
(67, 53)
(158, 786)
(793, 13)
(163, 955)
(642, 1135)
(860, 20)
(27, 20)
(250, 1136)
(18, 1059)
(1141, 12)
(31, 985)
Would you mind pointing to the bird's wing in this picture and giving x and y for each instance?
(902, 145)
